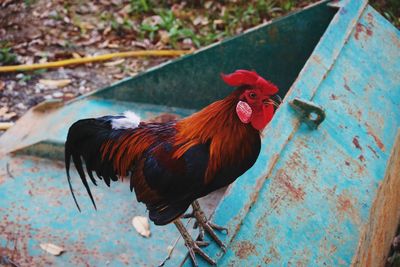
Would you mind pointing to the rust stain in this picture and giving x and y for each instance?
(296, 193)
(317, 59)
(346, 86)
(275, 201)
(245, 249)
(360, 169)
(395, 40)
(347, 163)
(360, 28)
(370, 19)
(345, 207)
(373, 151)
(267, 260)
(333, 97)
(344, 204)
(356, 142)
(274, 253)
(359, 115)
(361, 158)
(296, 160)
(376, 138)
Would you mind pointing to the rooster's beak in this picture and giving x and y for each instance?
(277, 100)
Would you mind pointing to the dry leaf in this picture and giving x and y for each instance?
(119, 76)
(5, 125)
(2, 85)
(52, 249)
(107, 30)
(55, 83)
(164, 36)
(48, 105)
(76, 55)
(3, 111)
(113, 45)
(114, 63)
(141, 225)
(10, 115)
(208, 4)
(200, 20)
(218, 22)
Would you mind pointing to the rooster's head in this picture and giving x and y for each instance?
(258, 98)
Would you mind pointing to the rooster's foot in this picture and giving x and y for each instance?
(206, 226)
(193, 246)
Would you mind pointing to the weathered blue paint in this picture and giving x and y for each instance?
(303, 202)
(310, 192)
(36, 208)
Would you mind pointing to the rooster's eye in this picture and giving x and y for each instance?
(253, 95)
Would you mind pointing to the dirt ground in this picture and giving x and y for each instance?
(36, 36)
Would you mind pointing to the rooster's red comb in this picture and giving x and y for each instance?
(246, 77)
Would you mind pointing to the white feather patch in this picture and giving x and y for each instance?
(130, 121)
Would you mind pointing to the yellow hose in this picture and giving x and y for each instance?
(61, 63)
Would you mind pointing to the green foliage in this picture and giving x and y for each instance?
(7, 57)
(174, 27)
(172, 21)
(139, 6)
(389, 8)
(29, 3)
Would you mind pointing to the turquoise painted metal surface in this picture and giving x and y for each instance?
(309, 193)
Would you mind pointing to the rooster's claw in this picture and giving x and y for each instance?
(206, 226)
(193, 246)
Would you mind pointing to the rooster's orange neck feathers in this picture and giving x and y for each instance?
(230, 140)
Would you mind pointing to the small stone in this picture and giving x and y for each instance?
(21, 106)
(11, 85)
(82, 89)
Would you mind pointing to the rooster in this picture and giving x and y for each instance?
(172, 164)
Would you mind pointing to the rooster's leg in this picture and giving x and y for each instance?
(193, 246)
(206, 226)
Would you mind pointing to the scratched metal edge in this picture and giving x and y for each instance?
(281, 130)
(377, 234)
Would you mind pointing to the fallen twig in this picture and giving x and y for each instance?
(173, 247)
(8, 170)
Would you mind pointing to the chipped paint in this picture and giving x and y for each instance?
(356, 142)
(245, 249)
(378, 141)
(360, 29)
